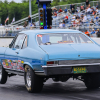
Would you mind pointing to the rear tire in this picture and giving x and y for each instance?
(33, 82)
(92, 81)
(3, 76)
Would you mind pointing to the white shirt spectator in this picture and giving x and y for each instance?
(60, 25)
(76, 21)
(97, 10)
(84, 19)
(89, 10)
(73, 18)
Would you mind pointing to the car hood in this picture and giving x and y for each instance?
(72, 51)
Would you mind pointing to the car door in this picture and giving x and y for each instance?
(22, 54)
(11, 54)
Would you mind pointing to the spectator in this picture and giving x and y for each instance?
(54, 10)
(71, 7)
(63, 21)
(73, 10)
(60, 25)
(93, 12)
(74, 23)
(25, 24)
(10, 32)
(87, 33)
(77, 17)
(92, 22)
(99, 20)
(60, 10)
(97, 6)
(89, 10)
(82, 15)
(95, 17)
(73, 18)
(97, 10)
(55, 14)
(82, 8)
(87, 2)
(98, 33)
(77, 21)
(78, 9)
(63, 24)
(65, 10)
(32, 26)
(66, 19)
(69, 13)
(93, 32)
(6, 33)
(80, 23)
(84, 18)
(29, 19)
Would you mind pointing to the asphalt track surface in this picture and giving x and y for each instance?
(15, 89)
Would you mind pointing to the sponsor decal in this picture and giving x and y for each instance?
(19, 61)
(21, 68)
(3, 63)
(4, 66)
(8, 60)
(39, 35)
(22, 62)
(13, 64)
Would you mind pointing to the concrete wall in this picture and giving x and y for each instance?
(96, 40)
(4, 42)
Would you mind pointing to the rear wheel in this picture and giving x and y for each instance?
(3, 76)
(92, 81)
(33, 82)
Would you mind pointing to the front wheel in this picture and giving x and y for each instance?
(92, 81)
(3, 76)
(33, 82)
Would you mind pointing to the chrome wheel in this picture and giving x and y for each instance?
(28, 78)
(33, 82)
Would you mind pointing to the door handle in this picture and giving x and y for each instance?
(17, 52)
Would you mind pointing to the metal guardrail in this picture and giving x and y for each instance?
(35, 16)
(81, 28)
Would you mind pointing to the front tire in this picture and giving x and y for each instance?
(92, 81)
(33, 82)
(3, 76)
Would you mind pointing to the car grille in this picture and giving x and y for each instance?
(71, 62)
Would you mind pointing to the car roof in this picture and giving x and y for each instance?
(42, 31)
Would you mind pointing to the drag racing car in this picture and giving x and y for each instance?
(59, 54)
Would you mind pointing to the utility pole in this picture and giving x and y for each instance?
(30, 10)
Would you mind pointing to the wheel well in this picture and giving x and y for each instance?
(24, 65)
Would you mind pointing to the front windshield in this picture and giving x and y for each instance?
(62, 38)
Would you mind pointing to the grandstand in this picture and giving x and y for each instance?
(86, 19)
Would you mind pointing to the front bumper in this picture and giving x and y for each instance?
(63, 70)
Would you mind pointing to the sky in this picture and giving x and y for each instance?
(18, 1)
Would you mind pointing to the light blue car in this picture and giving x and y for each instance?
(59, 54)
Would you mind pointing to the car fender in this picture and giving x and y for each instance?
(27, 63)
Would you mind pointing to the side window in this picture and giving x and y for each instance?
(19, 41)
(25, 43)
(13, 41)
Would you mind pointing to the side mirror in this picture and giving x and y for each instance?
(10, 45)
